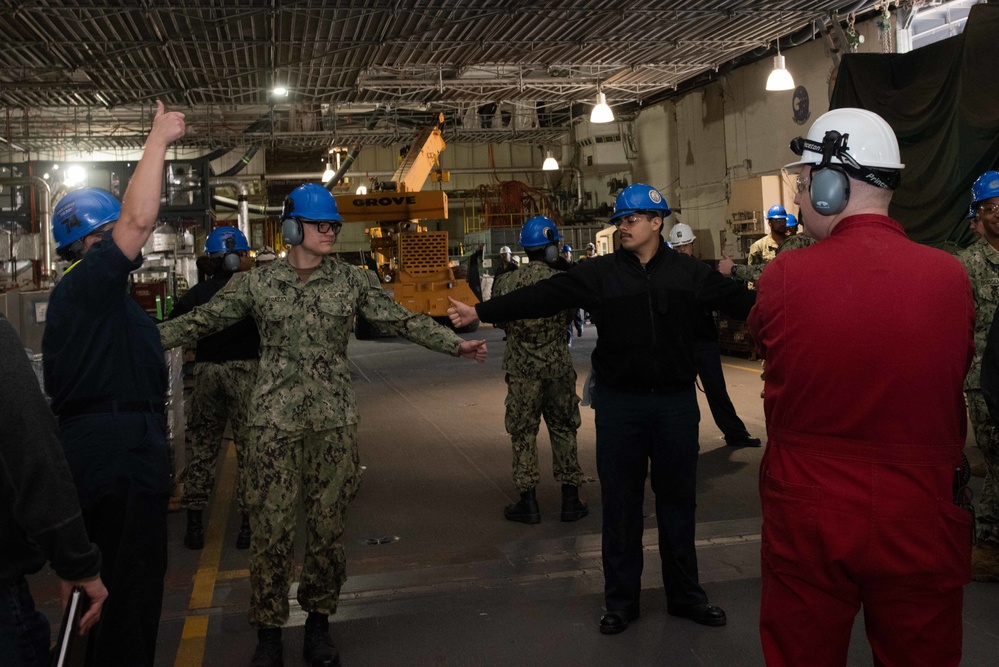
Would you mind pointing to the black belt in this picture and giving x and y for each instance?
(102, 407)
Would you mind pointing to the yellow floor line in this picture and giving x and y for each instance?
(191, 651)
(751, 369)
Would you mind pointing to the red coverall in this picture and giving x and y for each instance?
(867, 338)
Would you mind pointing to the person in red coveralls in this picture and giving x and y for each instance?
(867, 337)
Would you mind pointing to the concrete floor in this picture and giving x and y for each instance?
(438, 578)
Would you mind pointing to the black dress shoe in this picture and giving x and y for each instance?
(744, 442)
(614, 622)
(705, 614)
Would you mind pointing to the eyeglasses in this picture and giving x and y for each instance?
(630, 219)
(800, 184)
(326, 225)
(989, 208)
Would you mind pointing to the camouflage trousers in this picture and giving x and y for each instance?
(987, 438)
(527, 400)
(221, 392)
(322, 467)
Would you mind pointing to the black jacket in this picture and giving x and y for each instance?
(239, 342)
(648, 318)
(39, 512)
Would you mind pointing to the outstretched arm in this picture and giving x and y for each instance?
(473, 349)
(461, 314)
(141, 204)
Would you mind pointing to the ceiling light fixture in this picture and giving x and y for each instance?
(280, 91)
(329, 173)
(780, 78)
(601, 111)
(550, 164)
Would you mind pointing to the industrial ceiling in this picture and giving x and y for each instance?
(84, 75)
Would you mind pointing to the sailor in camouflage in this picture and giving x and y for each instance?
(541, 381)
(304, 414)
(765, 249)
(751, 273)
(981, 260)
(221, 391)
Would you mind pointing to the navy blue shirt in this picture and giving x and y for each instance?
(99, 345)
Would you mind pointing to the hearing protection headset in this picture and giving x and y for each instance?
(829, 187)
(231, 259)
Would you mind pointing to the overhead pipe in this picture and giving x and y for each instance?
(45, 201)
(349, 160)
(242, 203)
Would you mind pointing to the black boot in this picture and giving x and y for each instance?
(243, 539)
(194, 538)
(526, 510)
(318, 649)
(270, 650)
(573, 509)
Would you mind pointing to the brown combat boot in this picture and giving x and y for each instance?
(985, 563)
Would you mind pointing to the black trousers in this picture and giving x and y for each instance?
(632, 431)
(709, 369)
(121, 468)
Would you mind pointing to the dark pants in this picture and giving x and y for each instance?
(633, 429)
(709, 369)
(24, 631)
(122, 472)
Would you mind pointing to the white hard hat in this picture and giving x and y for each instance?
(505, 250)
(681, 234)
(871, 140)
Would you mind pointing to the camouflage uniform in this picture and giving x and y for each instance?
(981, 261)
(541, 380)
(303, 424)
(752, 272)
(221, 392)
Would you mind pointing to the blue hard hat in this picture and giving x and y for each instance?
(776, 211)
(986, 187)
(566, 248)
(538, 232)
(791, 221)
(639, 197)
(81, 212)
(311, 202)
(218, 241)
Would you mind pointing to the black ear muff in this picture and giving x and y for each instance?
(829, 190)
(291, 230)
(231, 262)
(551, 250)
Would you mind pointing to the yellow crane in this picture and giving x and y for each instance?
(412, 262)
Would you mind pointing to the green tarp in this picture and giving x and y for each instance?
(943, 102)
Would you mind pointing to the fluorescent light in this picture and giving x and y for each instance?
(551, 164)
(780, 78)
(601, 112)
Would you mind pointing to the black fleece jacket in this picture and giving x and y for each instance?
(39, 512)
(648, 318)
(239, 342)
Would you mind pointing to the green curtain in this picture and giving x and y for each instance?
(943, 102)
